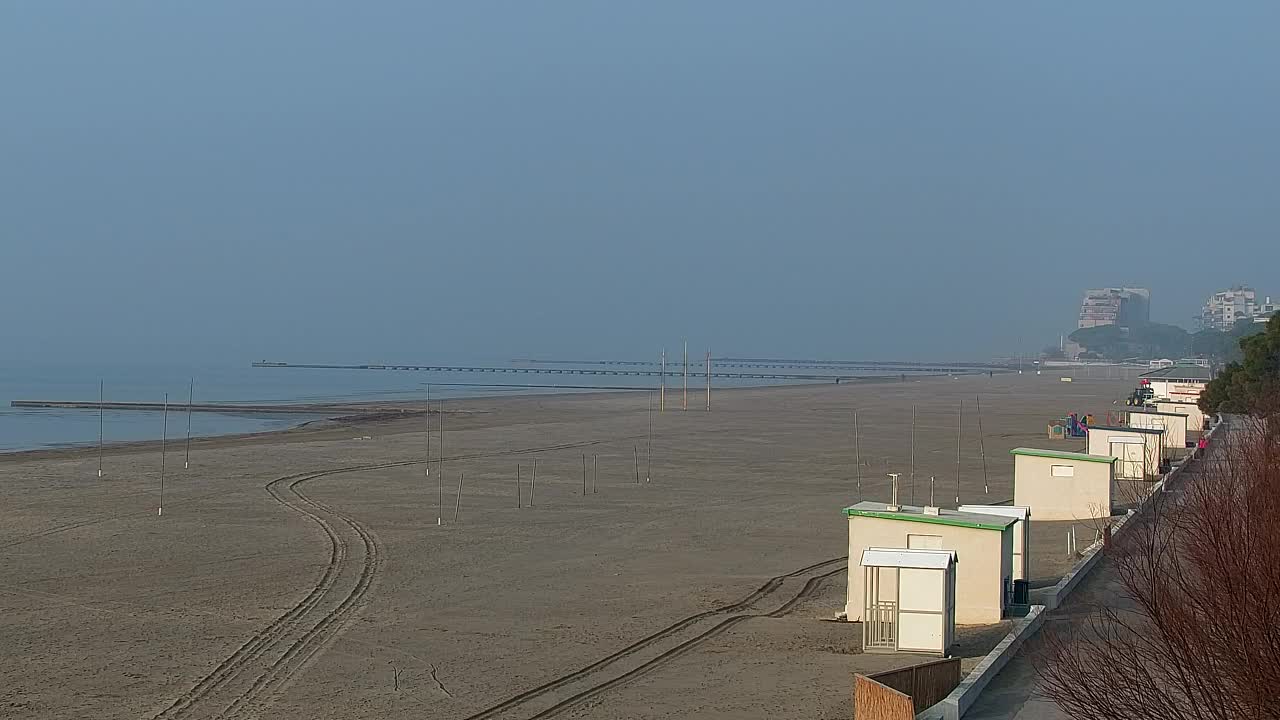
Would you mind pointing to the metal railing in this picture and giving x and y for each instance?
(879, 628)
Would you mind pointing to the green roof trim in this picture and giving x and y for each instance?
(933, 519)
(1062, 455)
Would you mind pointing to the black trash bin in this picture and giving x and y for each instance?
(1021, 592)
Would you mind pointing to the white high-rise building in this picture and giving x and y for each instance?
(1226, 308)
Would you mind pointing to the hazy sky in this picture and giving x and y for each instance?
(234, 181)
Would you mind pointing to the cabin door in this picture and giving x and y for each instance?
(1130, 456)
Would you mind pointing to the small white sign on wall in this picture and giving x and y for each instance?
(924, 542)
(1064, 470)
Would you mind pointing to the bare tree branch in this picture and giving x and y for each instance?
(1194, 631)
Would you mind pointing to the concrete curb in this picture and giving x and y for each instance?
(954, 705)
(1053, 597)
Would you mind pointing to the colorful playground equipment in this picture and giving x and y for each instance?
(1071, 426)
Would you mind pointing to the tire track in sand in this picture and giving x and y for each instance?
(329, 626)
(266, 649)
(654, 650)
(265, 662)
(809, 587)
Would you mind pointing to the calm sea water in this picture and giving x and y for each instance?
(25, 429)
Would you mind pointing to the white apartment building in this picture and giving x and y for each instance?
(1224, 309)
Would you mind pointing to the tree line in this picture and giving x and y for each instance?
(1157, 340)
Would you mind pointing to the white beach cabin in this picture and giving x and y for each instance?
(1195, 416)
(1173, 424)
(909, 600)
(1059, 485)
(983, 545)
(1021, 532)
(1137, 450)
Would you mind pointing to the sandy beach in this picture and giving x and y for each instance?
(303, 574)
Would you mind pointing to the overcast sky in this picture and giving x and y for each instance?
(409, 181)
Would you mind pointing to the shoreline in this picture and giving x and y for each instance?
(330, 416)
(123, 447)
(327, 428)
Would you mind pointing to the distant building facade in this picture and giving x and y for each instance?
(1266, 311)
(1178, 382)
(1125, 307)
(1226, 308)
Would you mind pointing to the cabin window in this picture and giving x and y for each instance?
(924, 542)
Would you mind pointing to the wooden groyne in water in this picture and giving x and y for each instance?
(235, 408)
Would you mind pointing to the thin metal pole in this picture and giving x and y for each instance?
(913, 454)
(163, 437)
(648, 448)
(857, 454)
(191, 396)
(959, 415)
(595, 474)
(635, 455)
(684, 402)
(426, 466)
(519, 497)
(458, 503)
(440, 473)
(708, 379)
(584, 475)
(982, 448)
(100, 403)
(662, 384)
(533, 481)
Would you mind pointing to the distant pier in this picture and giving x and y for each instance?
(694, 371)
(887, 366)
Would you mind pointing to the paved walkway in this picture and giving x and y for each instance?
(1012, 695)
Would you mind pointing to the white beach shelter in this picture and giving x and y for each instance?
(1021, 532)
(1195, 416)
(910, 600)
(1137, 450)
(983, 545)
(1173, 424)
(1060, 485)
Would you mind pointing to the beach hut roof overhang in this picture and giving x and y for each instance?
(922, 559)
(1061, 455)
